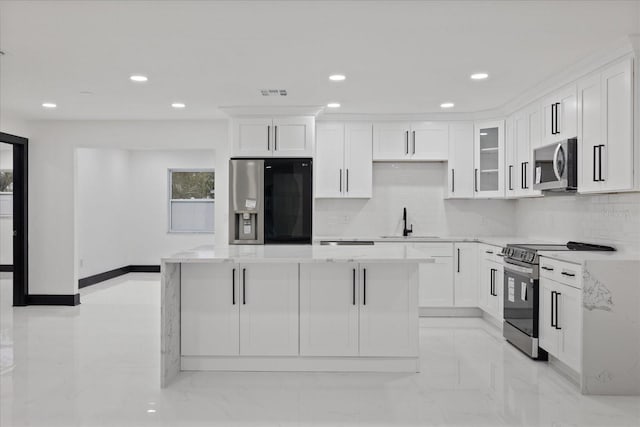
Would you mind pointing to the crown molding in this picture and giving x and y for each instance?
(234, 111)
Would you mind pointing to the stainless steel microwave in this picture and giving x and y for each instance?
(556, 166)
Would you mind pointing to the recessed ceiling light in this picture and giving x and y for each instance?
(151, 411)
(49, 105)
(479, 76)
(138, 78)
(178, 105)
(337, 77)
(333, 105)
(447, 105)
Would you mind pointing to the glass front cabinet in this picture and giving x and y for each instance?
(489, 159)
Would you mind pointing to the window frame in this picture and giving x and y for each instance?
(170, 200)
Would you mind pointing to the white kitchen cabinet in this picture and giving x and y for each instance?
(436, 282)
(465, 275)
(560, 115)
(406, 141)
(460, 164)
(273, 137)
(343, 166)
(329, 307)
(209, 316)
(491, 278)
(560, 326)
(489, 159)
(605, 130)
(523, 132)
(388, 314)
(268, 309)
(510, 157)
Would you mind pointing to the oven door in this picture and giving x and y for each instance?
(521, 298)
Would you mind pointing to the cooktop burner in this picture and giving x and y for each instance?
(528, 253)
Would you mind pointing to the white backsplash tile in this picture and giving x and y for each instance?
(421, 187)
(612, 219)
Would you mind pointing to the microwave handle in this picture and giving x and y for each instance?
(555, 162)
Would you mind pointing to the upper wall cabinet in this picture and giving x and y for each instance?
(343, 161)
(605, 130)
(273, 137)
(522, 136)
(559, 115)
(460, 167)
(489, 159)
(406, 141)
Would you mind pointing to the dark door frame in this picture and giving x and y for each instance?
(20, 217)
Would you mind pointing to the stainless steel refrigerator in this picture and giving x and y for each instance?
(270, 201)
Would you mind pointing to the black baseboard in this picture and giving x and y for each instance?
(101, 277)
(53, 299)
(6, 268)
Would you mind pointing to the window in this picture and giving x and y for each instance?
(191, 200)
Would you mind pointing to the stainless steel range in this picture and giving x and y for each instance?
(521, 292)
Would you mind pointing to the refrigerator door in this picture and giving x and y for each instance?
(246, 201)
(287, 200)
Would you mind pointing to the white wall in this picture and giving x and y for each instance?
(52, 197)
(149, 239)
(102, 206)
(421, 187)
(610, 219)
(6, 222)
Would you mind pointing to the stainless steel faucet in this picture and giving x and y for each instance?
(405, 230)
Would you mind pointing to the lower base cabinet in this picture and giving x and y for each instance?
(269, 309)
(329, 307)
(210, 309)
(560, 325)
(491, 288)
(388, 310)
(436, 283)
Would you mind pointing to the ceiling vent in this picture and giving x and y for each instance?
(273, 92)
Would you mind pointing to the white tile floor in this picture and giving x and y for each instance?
(98, 365)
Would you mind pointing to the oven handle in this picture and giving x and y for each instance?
(517, 268)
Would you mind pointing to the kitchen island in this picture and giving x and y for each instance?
(290, 308)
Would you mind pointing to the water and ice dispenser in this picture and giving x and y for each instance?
(246, 204)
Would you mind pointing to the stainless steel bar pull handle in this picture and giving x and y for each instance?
(364, 286)
(353, 301)
(233, 287)
(453, 180)
(510, 176)
(244, 285)
(275, 138)
(347, 180)
(414, 143)
(406, 142)
(557, 325)
(475, 180)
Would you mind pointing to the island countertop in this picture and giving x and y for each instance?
(390, 253)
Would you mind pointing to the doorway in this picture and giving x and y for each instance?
(15, 183)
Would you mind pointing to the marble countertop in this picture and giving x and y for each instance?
(580, 257)
(392, 253)
(489, 240)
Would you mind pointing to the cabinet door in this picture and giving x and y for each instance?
(510, 158)
(485, 287)
(547, 333)
(460, 171)
(388, 310)
(269, 309)
(329, 309)
(523, 162)
(429, 141)
(590, 133)
(436, 283)
(358, 160)
(494, 282)
(329, 167)
(466, 275)
(548, 120)
(617, 105)
(209, 310)
(489, 159)
(293, 137)
(570, 323)
(252, 137)
(391, 141)
(567, 123)
(499, 289)
(534, 127)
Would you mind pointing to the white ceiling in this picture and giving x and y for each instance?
(399, 57)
